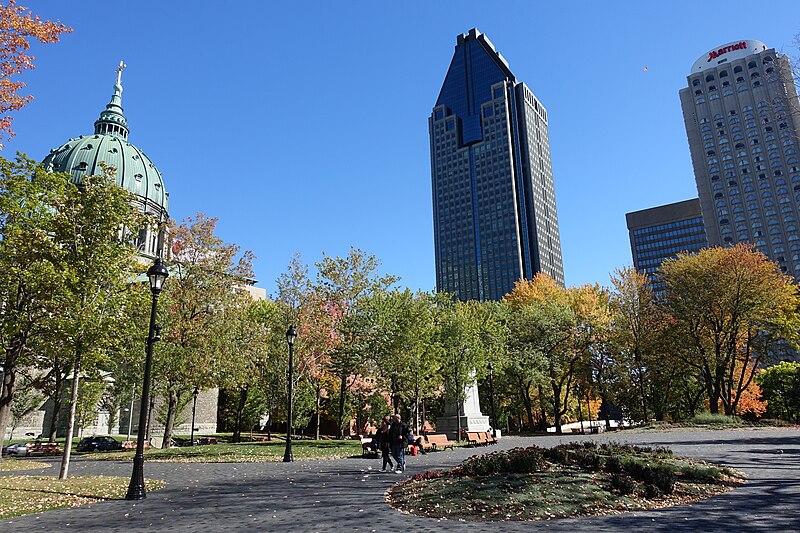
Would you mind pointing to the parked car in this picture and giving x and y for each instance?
(98, 443)
(20, 448)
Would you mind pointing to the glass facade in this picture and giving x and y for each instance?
(495, 218)
(663, 232)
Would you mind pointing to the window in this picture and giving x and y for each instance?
(737, 69)
(695, 82)
(751, 64)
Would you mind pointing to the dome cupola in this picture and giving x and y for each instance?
(82, 156)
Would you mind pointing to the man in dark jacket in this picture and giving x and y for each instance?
(398, 437)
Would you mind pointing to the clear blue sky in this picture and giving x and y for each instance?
(303, 125)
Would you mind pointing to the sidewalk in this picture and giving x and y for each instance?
(348, 495)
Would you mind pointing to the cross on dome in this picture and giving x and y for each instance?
(119, 70)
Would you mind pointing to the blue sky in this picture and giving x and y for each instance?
(303, 125)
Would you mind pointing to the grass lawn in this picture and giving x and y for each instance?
(12, 465)
(247, 452)
(21, 495)
(567, 481)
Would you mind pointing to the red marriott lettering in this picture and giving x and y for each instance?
(716, 53)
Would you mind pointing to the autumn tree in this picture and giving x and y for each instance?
(643, 383)
(734, 309)
(205, 275)
(18, 27)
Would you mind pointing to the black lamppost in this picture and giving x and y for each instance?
(491, 399)
(195, 392)
(287, 455)
(158, 274)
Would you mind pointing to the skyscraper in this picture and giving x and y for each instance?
(494, 208)
(662, 232)
(742, 118)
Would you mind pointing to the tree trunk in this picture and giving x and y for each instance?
(237, 432)
(543, 421)
(58, 394)
(342, 390)
(9, 387)
(150, 408)
(73, 404)
(557, 407)
(317, 414)
(172, 407)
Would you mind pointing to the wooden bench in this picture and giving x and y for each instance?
(489, 438)
(44, 448)
(131, 445)
(477, 438)
(438, 441)
(208, 440)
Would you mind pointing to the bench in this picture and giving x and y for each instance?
(477, 438)
(131, 445)
(209, 440)
(44, 448)
(489, 439)
(438, 441)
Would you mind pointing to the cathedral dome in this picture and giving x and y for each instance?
(82, 156)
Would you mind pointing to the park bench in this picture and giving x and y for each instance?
(477, 438)
(489, 439)
(131, 445)
(44, 448)
(208, 440)
(438, 442)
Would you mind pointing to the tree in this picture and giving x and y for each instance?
(30, 280)
(18, 26)
(780, 386)
(344, 282)
(733, 308)
(637, 328)
(206, 274)
(91, 229)
(551, 325)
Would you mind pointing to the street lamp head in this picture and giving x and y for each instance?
(157, 273)
(290, 335)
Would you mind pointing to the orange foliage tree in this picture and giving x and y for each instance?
(17, 27)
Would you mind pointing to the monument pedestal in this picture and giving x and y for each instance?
(469, 412)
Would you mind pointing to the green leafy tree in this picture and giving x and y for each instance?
(30, 280)
(780, 387)
(97, 261)
(344, 282)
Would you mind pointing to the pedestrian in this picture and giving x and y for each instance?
(398, 435)
(382, 440)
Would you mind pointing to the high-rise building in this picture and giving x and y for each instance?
(742, 118)
(662, 232)
(494, 207)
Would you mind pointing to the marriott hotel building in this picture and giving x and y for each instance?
(742, 120)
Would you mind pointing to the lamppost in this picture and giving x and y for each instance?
(157, 274)
(287, 455)
(491, 399)
(195, 392)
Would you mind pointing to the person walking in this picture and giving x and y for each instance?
(382, 440)
(398, 437)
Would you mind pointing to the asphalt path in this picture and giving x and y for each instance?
(348, 494)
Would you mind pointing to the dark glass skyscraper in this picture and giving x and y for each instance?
(494, 207)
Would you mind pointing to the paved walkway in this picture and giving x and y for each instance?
(348, 495)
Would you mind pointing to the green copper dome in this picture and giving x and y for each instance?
(82, 156)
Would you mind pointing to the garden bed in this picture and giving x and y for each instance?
(570, 480)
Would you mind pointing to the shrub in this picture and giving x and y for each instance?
(717, 419)
(623, 483)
